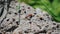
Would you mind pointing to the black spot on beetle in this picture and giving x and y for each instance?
(35, 13)
(57, 26)
(0, 33)
(47, 26)
(13, 19)
(45, 20)
(2, 10)
(54, 23)
(39, 26)
(47, 15)
(7, 19)
(41, 18)
(49, 33)
(29, 19)
(19, 11)
(26, 31)
(2, 2)
(1, 27)
(22, 6)
(15, 13)
(24, 11)
(44, 31)
(28, 7)
(17, 22)
(53, 28)
(10, 23)
(20, 32)
(11, 29)
(30, 22)
(31, 16)
(9, 12)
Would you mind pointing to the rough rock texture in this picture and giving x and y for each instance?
(21, 18)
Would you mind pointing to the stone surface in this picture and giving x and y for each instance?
(23, 19)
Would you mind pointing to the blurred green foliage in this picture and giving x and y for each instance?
(51, 6)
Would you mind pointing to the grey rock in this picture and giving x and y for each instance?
(23, 19)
